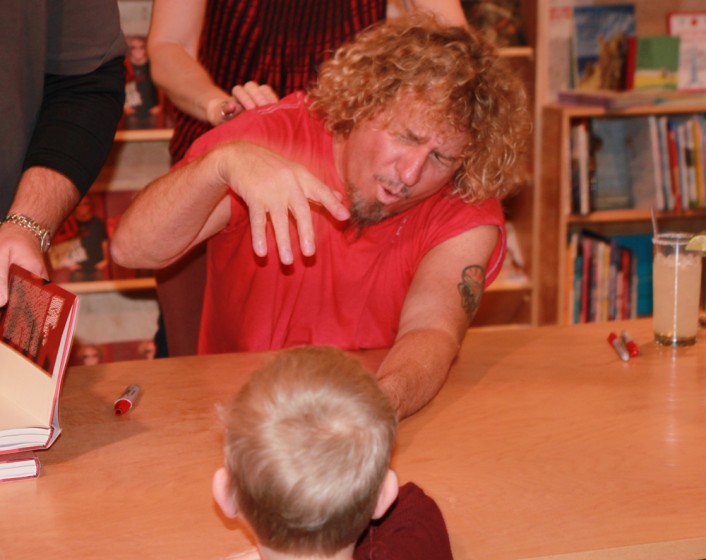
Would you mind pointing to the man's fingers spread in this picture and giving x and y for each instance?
(258, 222)
(280, 224)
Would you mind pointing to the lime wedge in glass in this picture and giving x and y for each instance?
(697, 243)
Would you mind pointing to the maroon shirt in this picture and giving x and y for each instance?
(275, 42)
(413, 529)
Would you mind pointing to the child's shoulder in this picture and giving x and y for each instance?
(413, 528)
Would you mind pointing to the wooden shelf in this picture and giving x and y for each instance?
(516, 52)
(555, 221)
(143, 135)
(521, 285)
(588, 111)
(104, 286)
(610, 216)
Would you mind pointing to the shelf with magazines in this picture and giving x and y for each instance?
(604, 173)
(584, 130)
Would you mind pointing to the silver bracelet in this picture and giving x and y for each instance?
(41, 233)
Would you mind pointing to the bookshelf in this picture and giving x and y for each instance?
(554, 221)
(559, 221)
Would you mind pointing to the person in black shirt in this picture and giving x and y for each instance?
(62, 90)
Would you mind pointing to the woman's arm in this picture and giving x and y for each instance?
(172, 48)
(448, 11)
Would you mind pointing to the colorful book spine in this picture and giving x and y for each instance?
(697, 124)
(657, 162)
(666, 168)
(673, 156)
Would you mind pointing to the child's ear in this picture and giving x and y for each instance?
(388, 494)
(222, 493)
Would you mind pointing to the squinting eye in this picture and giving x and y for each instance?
(443, 160)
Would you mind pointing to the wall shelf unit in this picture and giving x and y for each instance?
(555, 214)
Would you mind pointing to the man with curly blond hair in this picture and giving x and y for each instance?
(390, 172)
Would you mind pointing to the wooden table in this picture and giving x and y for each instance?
(542, 444)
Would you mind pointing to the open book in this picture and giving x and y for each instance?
(36, 329)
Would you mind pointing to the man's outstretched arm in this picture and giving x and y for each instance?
(441, 302)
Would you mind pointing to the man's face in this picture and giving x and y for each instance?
(390, 164)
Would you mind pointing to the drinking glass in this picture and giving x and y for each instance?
(676, 284)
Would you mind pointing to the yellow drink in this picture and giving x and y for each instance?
(676, 283)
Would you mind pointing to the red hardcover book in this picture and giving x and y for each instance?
(36, 328)
(630, 62)
(626, 265)
(586, 279)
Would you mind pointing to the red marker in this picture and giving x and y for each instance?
(127, 400)
(629, 344)
(619, 346)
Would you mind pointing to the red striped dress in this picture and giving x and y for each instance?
(275, 42)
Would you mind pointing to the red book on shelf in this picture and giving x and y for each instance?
(586, 280)
(630, 62)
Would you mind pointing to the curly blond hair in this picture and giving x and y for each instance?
(454, 74)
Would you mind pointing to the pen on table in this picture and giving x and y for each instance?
(617, 343)
(127, 400)
(629, 344)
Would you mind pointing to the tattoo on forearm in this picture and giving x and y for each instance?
(471, 289)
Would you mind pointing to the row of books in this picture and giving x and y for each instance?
(80, 251)
(610, 55)
(611, 278)
(639, 162)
